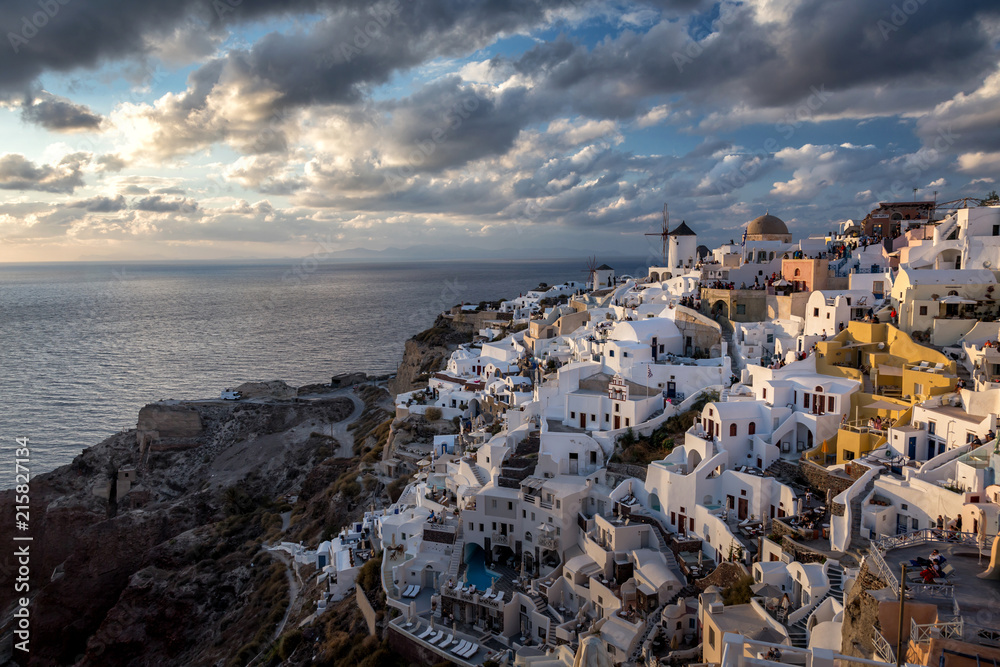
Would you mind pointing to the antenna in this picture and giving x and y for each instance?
(665, 233)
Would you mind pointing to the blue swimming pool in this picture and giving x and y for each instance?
(475, 568)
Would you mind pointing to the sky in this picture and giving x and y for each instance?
(216, 129)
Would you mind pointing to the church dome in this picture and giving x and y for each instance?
(766, 224)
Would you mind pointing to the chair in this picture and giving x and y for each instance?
(947, 570)
(461, 647)
(436, 637)
(406, 593)
(415, 592)
(446, 640)
(469, 651)
(426, 633)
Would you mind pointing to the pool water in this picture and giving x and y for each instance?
(476, 572)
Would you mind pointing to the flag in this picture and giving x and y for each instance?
(649, 371)
(743, 243)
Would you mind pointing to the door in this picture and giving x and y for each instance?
(583, 420)
(618, 422)
(682, 523)
(742, 513)
(912, 447)
(901, 524)
(671, 389)
(574, 463)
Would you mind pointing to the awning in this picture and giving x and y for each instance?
(956, 299)
(889, 370)
(883, 405)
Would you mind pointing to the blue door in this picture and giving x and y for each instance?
(913, 447)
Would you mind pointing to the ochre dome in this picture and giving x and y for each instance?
(766, 224)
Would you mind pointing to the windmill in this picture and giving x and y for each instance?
(591, 269)
(663, 234)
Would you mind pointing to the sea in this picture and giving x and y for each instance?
(83, 346)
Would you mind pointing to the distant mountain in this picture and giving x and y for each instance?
(437, 251)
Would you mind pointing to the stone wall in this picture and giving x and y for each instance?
(639, 472)
(821, 479)
(366, 609)
(172, 422)
(860, 615)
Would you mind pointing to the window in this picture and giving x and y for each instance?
(829, 404)
(558, 507)
(524, 514)
(572, 415)
(741, 309)
(969, 437)
(752, 428)
(532, 516)
(815, 312)
(618, 407)
(805, 400)
(624, 354)
(510, 505)
(673, 518)
(765, 392)
(711, 636)
(593, 418)
(607, 417)
(918, 388)
(923, 310)
(848, 455)
(611, 353)
(931, 427)
(732, 429)
(493, 503)
(996, 230)
(627, 422)
(472, 526)
(494, 526)
(481, 528)
(798, 272)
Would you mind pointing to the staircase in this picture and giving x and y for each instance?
(540, 604)
(456, 554)
(481, 475)
(798, 632)
(652, 621)
(727, 335)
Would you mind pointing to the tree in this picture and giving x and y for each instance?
(991, 199)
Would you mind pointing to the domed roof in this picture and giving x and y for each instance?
(767, 224)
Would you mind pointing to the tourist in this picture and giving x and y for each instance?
(824, 334)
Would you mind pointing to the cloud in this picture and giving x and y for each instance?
(59, 114)
(19, 173)
(100, 204)
(110, 162)
(157, 204)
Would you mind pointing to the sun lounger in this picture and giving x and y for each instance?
(448, 644)
(426, 633)
(488, 593)
(444, 642)
(434, 638)
(461, 647)
(406, 593)
(415, 592)
(469, 652)
(499, 596)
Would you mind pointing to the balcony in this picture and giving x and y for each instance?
(549, 541)
(500, 539)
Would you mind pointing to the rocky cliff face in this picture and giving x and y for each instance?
(173, 572)
(428, 352)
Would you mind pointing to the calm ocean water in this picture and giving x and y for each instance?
(84, 346)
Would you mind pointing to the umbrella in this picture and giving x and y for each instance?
(982, 534)
(766, 590)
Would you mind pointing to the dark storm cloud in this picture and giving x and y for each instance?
(771, 64)
(59, 114)
(19, 173)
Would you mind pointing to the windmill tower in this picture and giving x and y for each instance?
(591, 272)
(664, 234)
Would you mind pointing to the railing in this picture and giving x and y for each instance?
(883, 649)
(548, 542)
(882, 569)
(932, 590)
(545, 504)
(501, 540)
(944, 630)
(889, 542)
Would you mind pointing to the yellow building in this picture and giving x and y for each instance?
(896, 373)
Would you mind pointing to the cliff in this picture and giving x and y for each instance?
(428, 352)
(145, 553)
